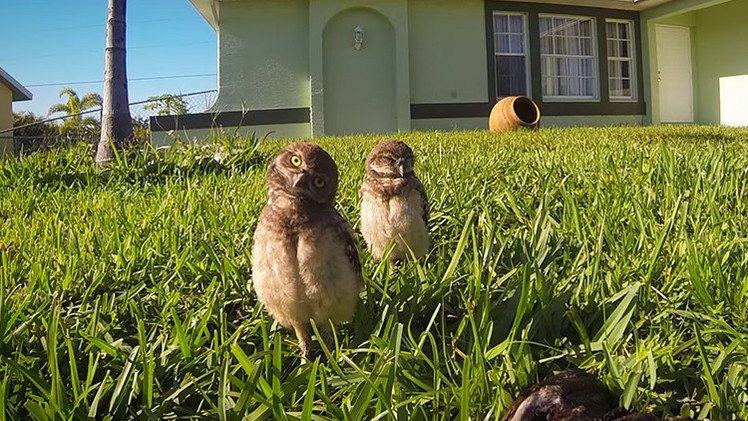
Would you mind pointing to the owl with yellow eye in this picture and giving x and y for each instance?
(305, 263)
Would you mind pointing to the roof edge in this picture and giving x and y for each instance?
(208, 10)
(20, 93)
(633, 5)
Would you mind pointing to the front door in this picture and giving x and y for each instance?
(359, 73)
(674, 74)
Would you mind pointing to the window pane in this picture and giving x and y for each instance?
(501, 23)
(546, 45)
(515, 24)
(511, 54)
(612, 49)
(613, 69)
(545, 25)
(567, 57)
(623, 48)
(574, 88)
(589, 87)
(611, 29)
(620, 62)
(587, 46)
(511, 75)
(503, 45)
(516, 44)
(586, 28)
(587, 68)
(623, 31)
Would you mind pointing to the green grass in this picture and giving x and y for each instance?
(623, 251)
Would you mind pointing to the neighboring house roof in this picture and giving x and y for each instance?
(19, 92)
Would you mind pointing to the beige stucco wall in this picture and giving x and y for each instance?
(272, 55)
(6, 120)
(721, 32)
(263, 55)
(447, 51)
(396, 13)
(6, 107)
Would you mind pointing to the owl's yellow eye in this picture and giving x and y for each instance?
(295, 161)
(319, 182)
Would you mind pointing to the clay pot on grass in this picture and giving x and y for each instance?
(514, 112)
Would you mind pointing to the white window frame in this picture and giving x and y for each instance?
(595, 61)
(526, 55)
(631, 59)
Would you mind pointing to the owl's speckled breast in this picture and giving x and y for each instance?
(397, 218)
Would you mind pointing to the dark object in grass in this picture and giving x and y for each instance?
(572, 395)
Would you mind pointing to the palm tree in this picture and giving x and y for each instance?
(116, 123)
(73, 108)
(166, 104)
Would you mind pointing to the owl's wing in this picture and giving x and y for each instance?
(424, 200)
(344, 233)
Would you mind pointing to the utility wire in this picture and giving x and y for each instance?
(132, 79)
(96, 25)
(78, 54)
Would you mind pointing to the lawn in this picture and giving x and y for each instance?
(622, 251)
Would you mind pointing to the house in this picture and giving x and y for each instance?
(10, 91)
(303, 68)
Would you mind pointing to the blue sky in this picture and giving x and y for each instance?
(57, 41)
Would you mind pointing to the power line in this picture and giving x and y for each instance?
(135, 23)
(78, 54)
(134, 79)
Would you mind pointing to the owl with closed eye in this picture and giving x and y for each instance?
(305, 263)
(394, 205)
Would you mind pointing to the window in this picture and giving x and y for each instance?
(510, 53)
(567, 54)
(621, 60)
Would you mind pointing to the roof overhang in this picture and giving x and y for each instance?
(209, 10)
(19, 92)
(636, 5)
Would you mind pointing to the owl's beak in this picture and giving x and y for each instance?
(400, 167)
(297, 179)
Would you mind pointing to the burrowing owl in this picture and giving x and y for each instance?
(394, 206)
(305, 261)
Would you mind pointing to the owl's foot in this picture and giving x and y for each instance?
(305, 342)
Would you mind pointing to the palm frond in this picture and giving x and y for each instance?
(90, 100)
(58, 108)
(90, 121)
(68, 91)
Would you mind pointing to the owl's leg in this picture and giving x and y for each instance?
(305, 340)
(328, 338)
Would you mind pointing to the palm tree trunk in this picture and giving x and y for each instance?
(116, 124)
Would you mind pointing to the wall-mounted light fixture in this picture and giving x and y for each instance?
(358, 38)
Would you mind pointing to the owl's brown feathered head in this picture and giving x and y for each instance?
(303, 171)
(390, 159)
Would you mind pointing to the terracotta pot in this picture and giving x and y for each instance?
(514, 112)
